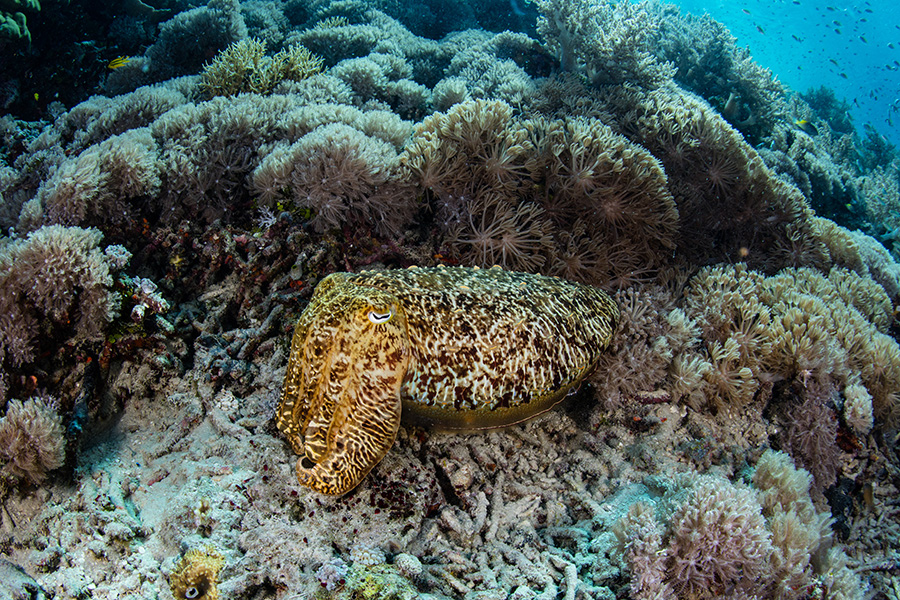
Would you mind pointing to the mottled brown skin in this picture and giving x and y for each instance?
(453, 348)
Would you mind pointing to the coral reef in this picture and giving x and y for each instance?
(623, 145)
(510, 191)
(609, 43)
(716, 536)
(796, 324)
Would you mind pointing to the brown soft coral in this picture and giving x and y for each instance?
(731, 204)
(586, 171)
(56, 280)
(473, 149)
(340, 174)
(596, 204)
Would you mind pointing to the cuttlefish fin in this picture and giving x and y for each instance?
(361, 433)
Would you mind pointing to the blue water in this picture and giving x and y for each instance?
(807, 44)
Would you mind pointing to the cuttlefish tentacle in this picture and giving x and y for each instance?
(455, 348)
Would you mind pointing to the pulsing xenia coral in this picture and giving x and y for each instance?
(31, 440)
(517, 192)
(58, 277)
(798, 324)
(342, 175)
(707, 537)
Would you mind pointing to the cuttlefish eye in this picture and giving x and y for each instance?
(191, 592)
(381, 317)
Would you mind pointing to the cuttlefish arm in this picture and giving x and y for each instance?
(341, 404)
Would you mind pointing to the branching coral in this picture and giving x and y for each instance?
(709, 63)
(31, 440)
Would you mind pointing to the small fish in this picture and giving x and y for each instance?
(806, 127)
(745, 11)
(797, 38)
(838, 23)
(761, 30)
(837, 31)
(797, 2)
(118, 62)
(864, 40)
(834, 62)
(844, 75)
(891, 46)
(36, 97)
(831, 8)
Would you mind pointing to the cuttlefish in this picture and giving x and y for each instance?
(447, 347)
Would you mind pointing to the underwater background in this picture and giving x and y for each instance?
(177, 178)
(852, 49)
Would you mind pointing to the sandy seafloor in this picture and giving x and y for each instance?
(627, 489)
